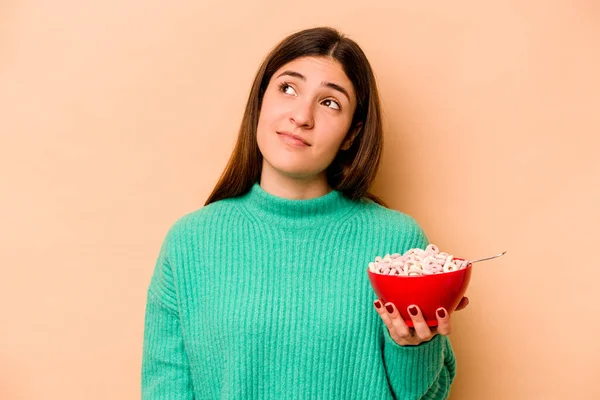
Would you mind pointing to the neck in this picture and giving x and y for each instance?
(293, 188)
(295, 214)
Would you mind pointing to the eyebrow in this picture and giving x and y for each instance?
(331, 85)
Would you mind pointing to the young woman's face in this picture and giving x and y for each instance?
(305, 116)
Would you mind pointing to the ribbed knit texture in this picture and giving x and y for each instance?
(260, 297)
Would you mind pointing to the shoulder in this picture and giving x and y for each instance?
(389, 225)
(387, 218)
(201, 221)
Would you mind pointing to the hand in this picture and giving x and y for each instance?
(405, 336)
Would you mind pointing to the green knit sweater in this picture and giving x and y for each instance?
(260, 297)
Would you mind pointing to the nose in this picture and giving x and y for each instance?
(302, 115)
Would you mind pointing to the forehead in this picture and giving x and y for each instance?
(319, 69)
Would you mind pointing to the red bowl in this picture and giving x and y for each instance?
(429, 292)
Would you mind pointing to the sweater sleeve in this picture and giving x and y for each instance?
(165, 367)
(427, 370)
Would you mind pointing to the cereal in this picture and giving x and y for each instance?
(417, 262)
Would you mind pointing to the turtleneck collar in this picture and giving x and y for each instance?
(296, 213)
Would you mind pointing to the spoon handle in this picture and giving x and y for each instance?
(488, 258)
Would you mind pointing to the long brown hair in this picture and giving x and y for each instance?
(353, 170)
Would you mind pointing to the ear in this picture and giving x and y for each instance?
(347, 143)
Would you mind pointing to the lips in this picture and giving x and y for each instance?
(293, 139)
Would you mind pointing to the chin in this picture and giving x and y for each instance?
(298, 173)
(295, 171)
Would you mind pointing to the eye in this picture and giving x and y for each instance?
(287, 88)
(332, 104)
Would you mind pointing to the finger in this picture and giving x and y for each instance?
(463, 303)
(387, 319)
(444, 327)
(421, 328)
(399, 327)
(379, 308)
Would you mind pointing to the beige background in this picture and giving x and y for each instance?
(117, 117)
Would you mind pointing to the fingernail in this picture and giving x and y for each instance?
(377, 304)
(441, 313)
(413, 311)
(389, 308)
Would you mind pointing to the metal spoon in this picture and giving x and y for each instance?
(488, 258)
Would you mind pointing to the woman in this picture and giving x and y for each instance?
(263, 293)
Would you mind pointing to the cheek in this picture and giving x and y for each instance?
(272, 117)
(264, 120)
(337, 132)
(265, 130)
(271, 110)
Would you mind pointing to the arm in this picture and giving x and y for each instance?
(425, 371)
(165, 367)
